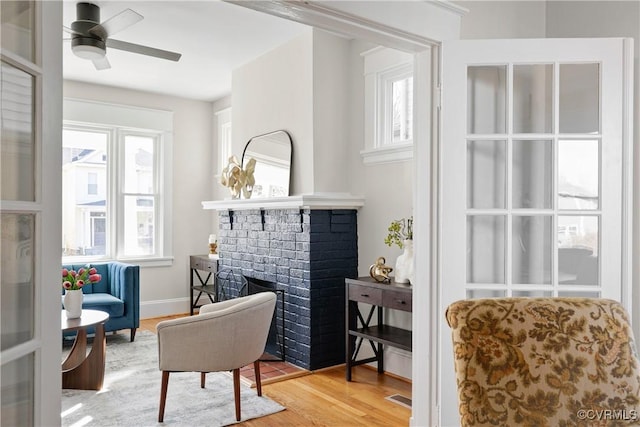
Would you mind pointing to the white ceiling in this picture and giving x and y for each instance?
(214, 38)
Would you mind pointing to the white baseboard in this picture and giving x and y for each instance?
(398, 362)
(166, 307)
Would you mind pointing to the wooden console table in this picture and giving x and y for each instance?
(79, 370)
(392, 295)
(210, 266)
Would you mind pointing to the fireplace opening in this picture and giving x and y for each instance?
(231, 285)
(274, 349)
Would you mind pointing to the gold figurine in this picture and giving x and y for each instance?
(379, 271)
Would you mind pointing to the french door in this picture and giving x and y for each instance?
(535, 166)
(30, 188)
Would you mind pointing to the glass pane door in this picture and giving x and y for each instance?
(532, 176)
(531, 181)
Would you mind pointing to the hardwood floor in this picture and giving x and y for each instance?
(325, 398)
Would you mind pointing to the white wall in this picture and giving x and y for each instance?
(502, 19)
(164, 290)
(330, 112)
(273, 92)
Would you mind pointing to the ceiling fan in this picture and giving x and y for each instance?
(90, 38)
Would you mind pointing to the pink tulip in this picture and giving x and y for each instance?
(65, 272)
(94, 278)
(72, 273)
(66, 284)
(80, 283)
(81, 271)
(92, 270)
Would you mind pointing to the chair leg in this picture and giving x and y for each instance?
(163, 394)
(202, 378)
(133, 333)
(236, 391)
(256, 372)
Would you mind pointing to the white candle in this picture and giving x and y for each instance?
(212, 238)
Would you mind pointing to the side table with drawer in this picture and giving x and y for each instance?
(380, 296)
(207, 286)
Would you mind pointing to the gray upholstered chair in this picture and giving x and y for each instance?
(224, 336)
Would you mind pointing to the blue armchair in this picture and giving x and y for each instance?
(118, 293)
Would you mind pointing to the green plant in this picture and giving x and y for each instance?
(399, 231)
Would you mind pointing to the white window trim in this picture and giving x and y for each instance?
(225, 148)
(129, 120)
(382, 66)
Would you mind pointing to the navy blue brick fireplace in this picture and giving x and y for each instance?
(307, 253)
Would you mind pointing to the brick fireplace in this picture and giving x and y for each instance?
(307, 253)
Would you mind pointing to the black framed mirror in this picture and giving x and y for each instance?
(272, 154)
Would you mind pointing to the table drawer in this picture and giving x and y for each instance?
(397, 300)
(365, 294)
(203, 264)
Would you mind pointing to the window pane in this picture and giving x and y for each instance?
(486, 249)
(138, 164)
(485, 293)
(486, 174)
(532, 172)
(84, 192)
(579, 294)
(18, 392)
(486, 99)
(17, 28)
(531, 250)
(578, 250)
(579, 98)
(532, 98)
(17, 170)
(532, 294)
(16, 279)
(139, 225)
(402, 120)
(578, 174)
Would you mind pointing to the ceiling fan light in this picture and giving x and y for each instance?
(88, 52)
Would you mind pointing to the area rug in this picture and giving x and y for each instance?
(130, 395)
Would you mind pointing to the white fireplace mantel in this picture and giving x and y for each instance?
(304, 201)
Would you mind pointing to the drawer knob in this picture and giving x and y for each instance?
(401, 301)
(364, 295)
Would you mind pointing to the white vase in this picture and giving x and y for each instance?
(73, 303)
(404, 264)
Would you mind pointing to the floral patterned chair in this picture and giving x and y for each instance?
(544, 362)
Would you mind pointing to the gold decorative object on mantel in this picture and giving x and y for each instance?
(379, 271)
(237, 179)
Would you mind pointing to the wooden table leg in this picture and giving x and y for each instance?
(86, 373)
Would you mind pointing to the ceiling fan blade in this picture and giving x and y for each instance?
(101, 64)
(143, 50)
(116, 23)
(69, 30)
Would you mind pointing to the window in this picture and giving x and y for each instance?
(388, 75)
(92, 183)
(116, 190)
(223, 118)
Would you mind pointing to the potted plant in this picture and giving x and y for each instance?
(401, 234)
(73, 282)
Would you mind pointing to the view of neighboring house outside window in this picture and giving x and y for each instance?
(110, 192)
